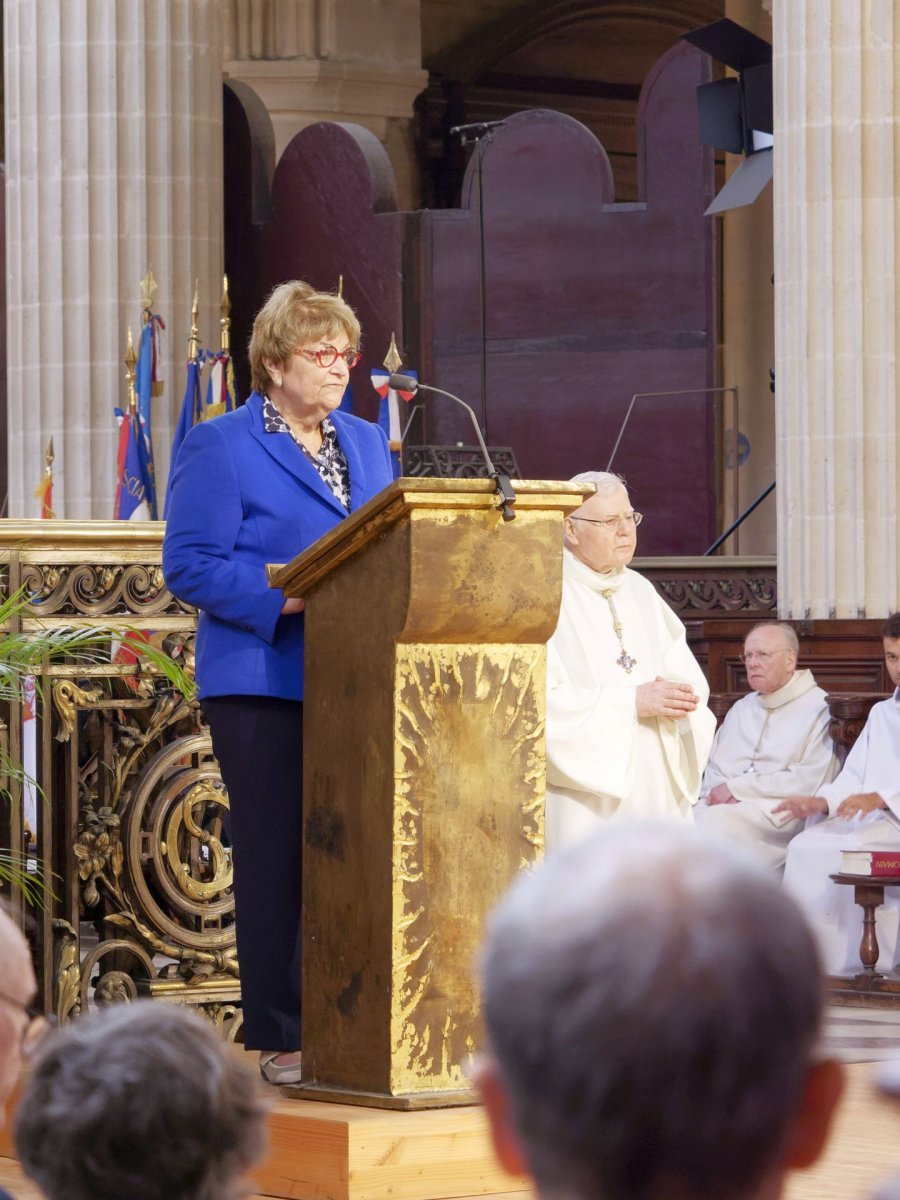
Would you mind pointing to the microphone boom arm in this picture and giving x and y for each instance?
(502, 483)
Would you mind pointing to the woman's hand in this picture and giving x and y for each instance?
(292, 604)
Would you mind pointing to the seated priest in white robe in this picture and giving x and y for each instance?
(628, 727)
(774, 743)
(863, 809)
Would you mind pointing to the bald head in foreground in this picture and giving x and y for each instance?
(653, 1003)
(17, 989)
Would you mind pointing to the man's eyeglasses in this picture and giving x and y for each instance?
(613, 523)
(39, 1023)
(327, 356)
(762, 656)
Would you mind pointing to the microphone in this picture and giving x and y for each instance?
(477, 129)
(505, 493)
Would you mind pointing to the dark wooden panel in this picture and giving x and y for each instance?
(587, 303)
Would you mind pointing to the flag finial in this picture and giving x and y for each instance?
(392, 360)
(148, 287)
(194, 339)
(225, 319)
(48, 458)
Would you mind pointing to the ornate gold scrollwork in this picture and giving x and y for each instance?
(177, 871)
(228, 1019)
(68, 697)
(115, 985)
(182, 817)
(97, 849)
(107, 589)
(68, 972)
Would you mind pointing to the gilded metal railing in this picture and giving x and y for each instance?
(132, 817)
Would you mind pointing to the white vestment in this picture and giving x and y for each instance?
(602, 760)
(873, 765)
(768, 748)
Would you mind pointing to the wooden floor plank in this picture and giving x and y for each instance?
(320, 1151)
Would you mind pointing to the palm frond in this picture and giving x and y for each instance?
(165, 665)
(27, 875)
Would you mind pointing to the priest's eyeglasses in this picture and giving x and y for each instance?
(39, 1023)
(613, 523)
(327, 356)
(762, 656)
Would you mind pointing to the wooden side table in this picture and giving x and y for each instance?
(868, 892)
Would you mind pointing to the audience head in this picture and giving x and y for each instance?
(17, 988)
(139, 1102)
(603, 531)
(771, 651)
(652, 1001)
(891, 634)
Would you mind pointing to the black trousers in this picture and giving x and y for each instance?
(258, 741)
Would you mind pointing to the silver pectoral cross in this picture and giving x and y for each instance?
(626, 661)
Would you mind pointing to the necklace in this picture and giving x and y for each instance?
(751, 769)
(625, 661)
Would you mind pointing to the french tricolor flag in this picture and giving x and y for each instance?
(389, 411)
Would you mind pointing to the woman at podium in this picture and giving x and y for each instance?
(251, 487)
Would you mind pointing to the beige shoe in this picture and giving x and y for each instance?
(279, 1073)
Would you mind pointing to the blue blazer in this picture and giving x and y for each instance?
(241, 498)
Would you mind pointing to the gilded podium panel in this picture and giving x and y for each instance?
(468, 813)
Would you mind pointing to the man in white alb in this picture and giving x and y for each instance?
(773, 743)
(863, 804)
(628, 729)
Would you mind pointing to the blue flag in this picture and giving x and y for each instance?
(191, 413)
(146, 387)
(133, 473)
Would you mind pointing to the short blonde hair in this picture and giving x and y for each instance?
(293, 315)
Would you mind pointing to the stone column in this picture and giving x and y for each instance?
(836, 214)
(747, 340)
(333, 60)
(114, 164)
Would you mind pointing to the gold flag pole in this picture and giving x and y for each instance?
(225, 318)
(130, 363)
(393, 362)
(340, 290)
(44, 490)
(194, 339)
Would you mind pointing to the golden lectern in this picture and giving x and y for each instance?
(426, 623)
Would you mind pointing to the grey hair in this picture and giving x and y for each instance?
(606, 481)
(790, 634)
(652, 999)
(139, 1102)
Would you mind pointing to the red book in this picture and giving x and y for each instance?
(870, 862)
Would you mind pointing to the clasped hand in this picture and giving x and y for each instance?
(665, 698)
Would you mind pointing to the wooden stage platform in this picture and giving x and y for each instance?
(334, 1152)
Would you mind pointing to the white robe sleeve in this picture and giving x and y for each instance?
(686, 743)
(713, 775)
(850, 780)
